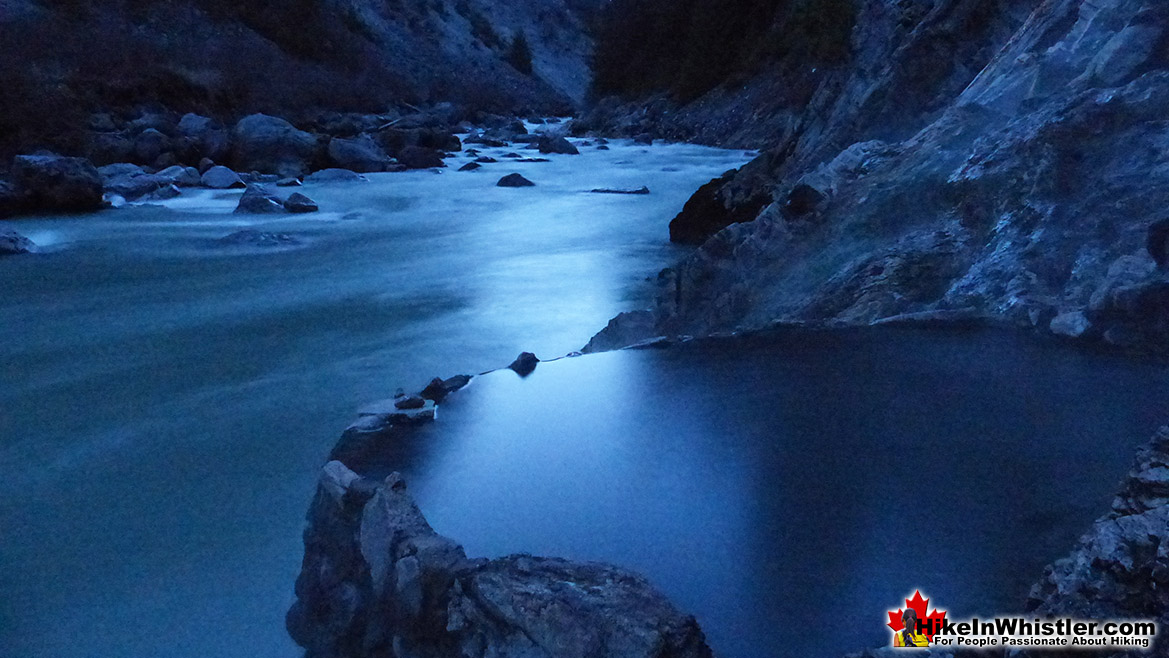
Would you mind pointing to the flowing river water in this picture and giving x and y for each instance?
(167, 401)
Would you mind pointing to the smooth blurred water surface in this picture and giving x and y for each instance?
(790, 490)
(165, 402)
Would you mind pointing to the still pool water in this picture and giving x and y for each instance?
(166, 401)
(789, 490)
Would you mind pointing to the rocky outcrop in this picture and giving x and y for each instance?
(1120, 569)
(966, 157)
(13, 243)
(377, 580)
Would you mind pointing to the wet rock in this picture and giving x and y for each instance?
(605, 190)
(258, 200)
(624, 330)
(288, 182)
(524, 364)
(181, 176)
(13, 243)
(420, 157)
(514, 180)
(533, 160)
(409, 402)
(471, 166)
(602, 147)
(335, 176)
(253, 238)
(53, 182)
(272, 145)
(168, 191)
(438, 389)
(644, 139)
(221, 178)
(377, 576)
(299, 203)
(361, 154)
(378, 417)
(557, 144)
(485, 159)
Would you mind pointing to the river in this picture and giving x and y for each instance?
(167, 401)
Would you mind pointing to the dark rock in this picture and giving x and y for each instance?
(253, 238)
(219, 177)
(409, 402)
(551, 144)
(12, 199)
(53, 182)
(377, 576)
(288, 182)
(602, 147)
(167, 191)
(604, 190)
(524, 364)
(1157, 243)
(299, 203)
(361, 154)
(420, 157)
(258, 200)
(12, 243)
(484, 159)
(181, 176)
(626, 329)
(132, 186)
(205, 165)
(511, 155)
(272, 145)
(644, 138)
(150, 144)
(514, 180)
(802, 200)
(335, 176)
(439, 389)
(471, 166)
(532, 160)
(707, 212)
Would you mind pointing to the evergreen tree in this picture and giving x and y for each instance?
(519, 54)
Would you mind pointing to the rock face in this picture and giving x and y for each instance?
(1002, 159)
(1120, 569)
(377, 580)
(52, 182)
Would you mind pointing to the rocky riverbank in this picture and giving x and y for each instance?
(968, 159)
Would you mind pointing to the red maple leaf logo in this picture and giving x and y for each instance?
(931, 623)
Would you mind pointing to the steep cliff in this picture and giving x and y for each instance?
(65, 61)
(966, 162)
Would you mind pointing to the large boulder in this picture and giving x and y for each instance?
(201, 137)
(257, 200)
(272, 145)
(181, 176)
(299, 203)
(557, 144)
(420, 157)
(54, 182)
(150, 144)
(221, 178)
(335, 176)
(361, 154)
(378, 580)
(712, 209)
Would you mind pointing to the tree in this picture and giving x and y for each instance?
(519, 54)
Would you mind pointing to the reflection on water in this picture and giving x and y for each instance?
(165, 404)
(770, 486)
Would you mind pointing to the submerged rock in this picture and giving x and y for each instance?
(12, 243)
(378, 580)
(514, 180)
(253, 238)
(335, 176)
(471, 166)
(604, 190)
(439, 389)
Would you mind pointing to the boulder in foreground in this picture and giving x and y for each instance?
(377, 580)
